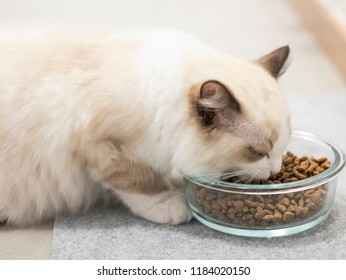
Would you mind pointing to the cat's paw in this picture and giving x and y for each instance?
(168, 207)
(172, 210)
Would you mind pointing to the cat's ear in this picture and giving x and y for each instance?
(276, 62)
(214, 97)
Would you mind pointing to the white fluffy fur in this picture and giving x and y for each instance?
(137, 87)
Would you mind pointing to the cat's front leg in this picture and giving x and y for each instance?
(147, 193)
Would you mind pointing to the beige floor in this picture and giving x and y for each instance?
(27, 244)
(245, 28)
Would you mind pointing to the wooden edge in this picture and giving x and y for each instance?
(328, 31)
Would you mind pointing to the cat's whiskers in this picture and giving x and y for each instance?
(235, 174)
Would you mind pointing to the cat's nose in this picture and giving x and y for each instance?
(275, 166)
(275, 170)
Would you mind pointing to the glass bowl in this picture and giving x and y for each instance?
(240, 208)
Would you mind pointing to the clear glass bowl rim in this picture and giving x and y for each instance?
(336, 167)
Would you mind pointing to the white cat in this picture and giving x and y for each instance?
(81, 112)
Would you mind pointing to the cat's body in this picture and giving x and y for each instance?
(85, 111)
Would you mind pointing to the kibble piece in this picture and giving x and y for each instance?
(305, 211)
(293, 202)
(291, 208)
(285, 201)
(281, 207)
(316, 197)
(270, 206)
(311, 205)
(268, 212)
(298, 211)
(247, 217)
(299, 175)
(250, 203)
(326, 164)
(268, 218)
(288, 217)
(215, 205)
(210, 196)
(238, 205)
(312, 166)
(260, 213)
(277, 216)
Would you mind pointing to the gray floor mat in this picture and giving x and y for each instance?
(114, 233)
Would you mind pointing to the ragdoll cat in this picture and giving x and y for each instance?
(81, 112)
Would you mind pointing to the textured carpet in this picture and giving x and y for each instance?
(113, 233)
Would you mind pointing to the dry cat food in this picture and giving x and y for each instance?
(272, 209)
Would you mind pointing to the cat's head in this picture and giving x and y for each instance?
(238, 119)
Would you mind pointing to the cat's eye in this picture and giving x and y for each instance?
(254, 154)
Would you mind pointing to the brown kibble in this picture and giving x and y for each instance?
(321, 160)
(304, 165)
(223, 203)
(229, 203)
(268, 218)
(250, 203)
(316, 197)
(285, 201)
(238, 205)
(269, 210)
(291, 208)
(299, 211)
(239, 214)
(260, 213)
(308, 193)
(288, 160)
(231, 213)
(295, 162)
(293, 179)
(268, 200)
(290, 195)
(312, 166)
(277, 216)
(247, 217)
(301, 202)
(311, 206)
(215, 205)
(319, 169)
(222, 217)
(281, 207)
(293, 202)
(289, 154)
(270, 206)
(305, 211)
(210, 196)
(288, 217)
(326, 164)
(299, 175)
